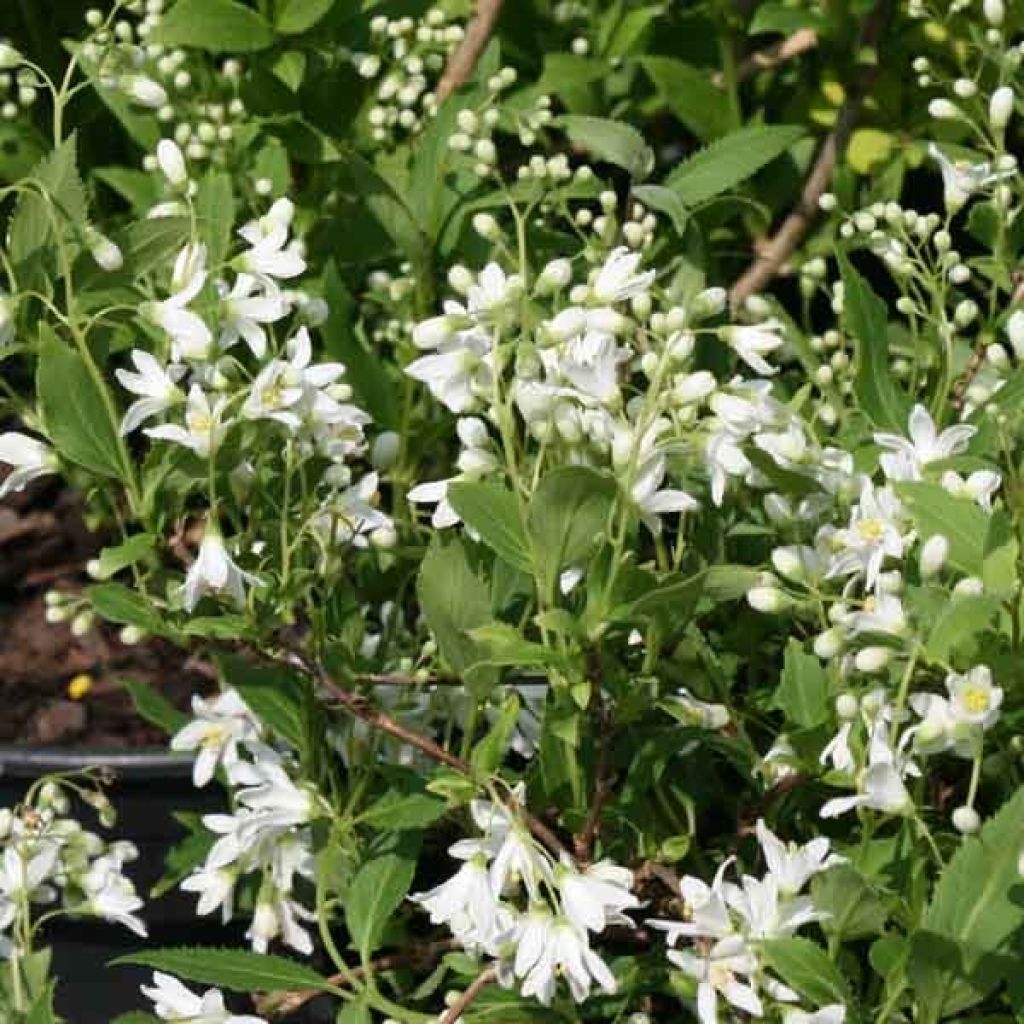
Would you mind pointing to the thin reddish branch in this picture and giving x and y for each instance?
(464, 59)
(583, 843)
(466, 1000)
(776, 251)
(784, 50)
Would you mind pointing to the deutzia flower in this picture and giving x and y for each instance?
(961, 179)
(973, 698)
(698, 712)
(203, 430)
(753, 342)
(112, 896)
(214, 572)
(549, 947)
(190, 337)
(834, 1013)
(156, 385)
(905, 460)
(174, 1002)
(651, 500)
(29, 458)
(794, 866)
(267, 257)
(981, 486)
(725, 970)
(244, 314)
(874, 534)
(594, 898)
(618, 280)
(459, 373)
(466, 903)
(219, 725)
(880, 785)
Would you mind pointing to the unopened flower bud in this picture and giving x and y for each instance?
(966, 820)
(970, 586)
(767, 599)
(557, 274)
(385, 449)
(872, 659)
(847, 707)
(944, 110)
(172, 163)
(1000, 108)
(994, 12)
(829, 643)
(934, 553)
(105, 252)
(486, 226)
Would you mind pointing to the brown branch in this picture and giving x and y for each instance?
(773, 256)
(282, 1004)
(583, 843)
(784, 50)
(463, 60)
(456, 1010)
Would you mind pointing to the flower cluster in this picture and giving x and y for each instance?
(266, 841)
(513, 901)
(725, 922)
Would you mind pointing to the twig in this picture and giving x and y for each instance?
(289, 1002)
(404, 679)
(801, 41)
(780, 246)
(482, 980)
(583, 843)
(474, 42)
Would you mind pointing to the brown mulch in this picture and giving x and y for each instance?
(44, 545)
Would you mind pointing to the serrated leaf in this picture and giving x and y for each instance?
(492, 511)
(490, 751)
(977, 906)
(154, 707)
(802, 692)
(235, 969)
(868, 324)
(378, 889)
(403, 811)
(215, 214)
(118, 603)
(219, 26)
(806, 968)
(117, 557)
(959, 621)
(296, 16)
(32, 224)
(730, 161)
(959, 520)
(664, 200)
(74, 409)
(612, 141)
(690, 95)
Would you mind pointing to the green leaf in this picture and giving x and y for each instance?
(490, 751)
(74, 409)
(503, 644)
(493, 512)
(113, 559)
(690, 95)
(731, 160)
(567, 515)
(855, 911)
(148, 244)
(867, 321)
(665, 201)
(273, 694)
(136, 187)
(802, 692)
(960, 520)
(778, 17)
(235, 969)
(613, 141)
(118, 603)
(154, 707)
(220, 26)
(960, 620)
(403, 811)
(454, 600)
(366, 372)
(977, 906)
(806, 968)
(215, 214)
(296, 16)
(32, 224)
(378, 889)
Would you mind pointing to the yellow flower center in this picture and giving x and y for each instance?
(975, 699)
(872, 529)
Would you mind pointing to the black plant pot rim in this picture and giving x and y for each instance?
(24, 762)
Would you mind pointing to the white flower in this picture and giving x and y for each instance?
(651, 501)
(465, 902)
(981, 486)
(174, 1002)
(267, 256)
(834, 1013)
(203, 430)
(974, 699)
(765, 912)
(276, 916)
(590, 363)
(618, 279)
(753, 342)
(905, 460)
(112, 896)
(874, 534)
(724, 458)
(216, 888)
(29, 459)
(794, 866)
(156, 385)
(274, 802)
(721, 972)
(594, 898)
(549, 947)
(219, 725)
(880, 785)
(882, 613)
(961, 179)
(214, 572)
(171, 162)
(459, 374)
(243, 315)
(190, 336)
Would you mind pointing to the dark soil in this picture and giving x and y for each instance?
(44, 545)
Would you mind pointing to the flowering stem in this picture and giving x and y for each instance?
(455, 1011)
